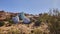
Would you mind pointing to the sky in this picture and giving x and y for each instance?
(29, 6)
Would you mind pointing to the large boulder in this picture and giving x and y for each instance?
(15, 19)
(21, 16)
(24, 18)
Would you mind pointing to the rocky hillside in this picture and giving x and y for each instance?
(46, 23)
(21, 28)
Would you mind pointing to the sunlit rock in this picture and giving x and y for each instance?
(15, 19)
(24, 18)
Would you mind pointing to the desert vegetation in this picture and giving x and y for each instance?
(46, 23)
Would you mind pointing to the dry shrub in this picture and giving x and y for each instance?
(38, 31)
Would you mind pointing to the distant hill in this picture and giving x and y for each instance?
(4, 15)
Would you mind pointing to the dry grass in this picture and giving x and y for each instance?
(23, 29)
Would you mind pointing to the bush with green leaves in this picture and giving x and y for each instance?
(53, 20)
(1, 23)
(11, 22)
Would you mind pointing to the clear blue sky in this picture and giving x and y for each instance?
(28, 6)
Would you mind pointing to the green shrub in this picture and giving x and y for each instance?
(11, 22)
(1, 23)
(37, 23)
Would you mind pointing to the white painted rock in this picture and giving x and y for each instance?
(15, 19)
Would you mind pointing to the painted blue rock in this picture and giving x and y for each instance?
(26, 20)
(15, 19)
(21, 15)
